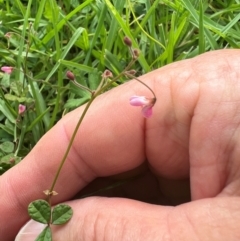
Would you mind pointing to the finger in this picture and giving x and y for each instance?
(197, 122)
(214, 146)
(107, 219)
(124, 219)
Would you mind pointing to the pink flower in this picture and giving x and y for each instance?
(21, 109)
(146, 103)
(7, 69)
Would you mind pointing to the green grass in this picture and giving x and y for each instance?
(49, 37)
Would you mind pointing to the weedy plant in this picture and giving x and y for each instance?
(40, 210)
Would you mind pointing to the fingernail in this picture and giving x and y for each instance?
(30, 231)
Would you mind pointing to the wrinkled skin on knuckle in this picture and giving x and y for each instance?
(217, 218)
(216, 122)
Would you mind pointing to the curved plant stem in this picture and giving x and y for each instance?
(94, 95)
(103, 86)
(134, 77)
(71, 142)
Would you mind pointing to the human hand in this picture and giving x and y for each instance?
(193, 133)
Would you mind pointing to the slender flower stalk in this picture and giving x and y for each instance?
(103, 87)
(127, 41)
(51, 191)
(128, 73)
(71, 77)
(107, 81)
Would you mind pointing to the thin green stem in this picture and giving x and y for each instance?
(79, 123)
(99, 90)
(120, 75)
(71, 142)
(134, 77)
(23, 131)
(26, 56)
(81, 86)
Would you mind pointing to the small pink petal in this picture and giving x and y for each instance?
(147, 111)
(139, 101)
(21, 109)
(7, 69)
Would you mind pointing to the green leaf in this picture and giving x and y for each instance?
(7, 147)
(66, 50)
(40, 211)
(83, 42)
(61, 23)
(16, 87)
(128, 33)
(80, 67)
(48, 11)
(61, 214)
(5, 82)
(201, 40)
(37, 120)
(7, 111)
(21, 7)
(39, 14)
(10, 158)
(45, 235)
(7, 129)
(74, 103)
(18, 99)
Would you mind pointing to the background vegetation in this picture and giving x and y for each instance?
(42, 39)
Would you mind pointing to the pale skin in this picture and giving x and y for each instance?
(194, 134)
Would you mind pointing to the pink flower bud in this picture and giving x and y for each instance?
(127, 41)
(131, 72)
(21, 109)
(7, 69)
(145, 103)
(70, 75)
(107, 74)
(136, 53)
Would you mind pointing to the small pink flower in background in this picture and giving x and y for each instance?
(136, 53)
(8, 35)
(146, 103)
(7, 69)
(127, 41)
(107, 74)
(21, 109)
(70, 75)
